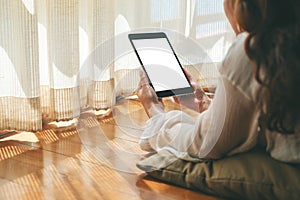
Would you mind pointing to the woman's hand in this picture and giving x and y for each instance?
(148, 97)
(197, 101)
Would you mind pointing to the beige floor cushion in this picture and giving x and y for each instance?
(251, 175)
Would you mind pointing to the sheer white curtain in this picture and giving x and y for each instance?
(58, 57)
(19, 66)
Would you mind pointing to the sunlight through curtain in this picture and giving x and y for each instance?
(19, 67)
(59, 57)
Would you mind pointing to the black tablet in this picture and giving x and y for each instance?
(160, 63)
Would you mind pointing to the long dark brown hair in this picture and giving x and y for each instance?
(273, 44)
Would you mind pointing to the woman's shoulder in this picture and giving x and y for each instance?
(236, 59)
(238, 69)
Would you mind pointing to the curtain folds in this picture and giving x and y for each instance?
(59, 57)
(19, 68)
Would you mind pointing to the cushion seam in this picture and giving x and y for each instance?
(231, 180)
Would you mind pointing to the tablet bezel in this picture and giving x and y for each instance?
(155, 35)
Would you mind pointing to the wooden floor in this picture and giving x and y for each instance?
(94, 159)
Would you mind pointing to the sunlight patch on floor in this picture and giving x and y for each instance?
(22, 136)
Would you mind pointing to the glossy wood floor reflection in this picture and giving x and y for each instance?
(94, 159)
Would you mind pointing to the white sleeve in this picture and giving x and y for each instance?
(228, 126)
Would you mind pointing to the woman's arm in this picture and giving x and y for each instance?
(227, 126)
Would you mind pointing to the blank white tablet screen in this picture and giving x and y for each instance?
(160, 63)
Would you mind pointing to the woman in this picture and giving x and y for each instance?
(257, 95)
